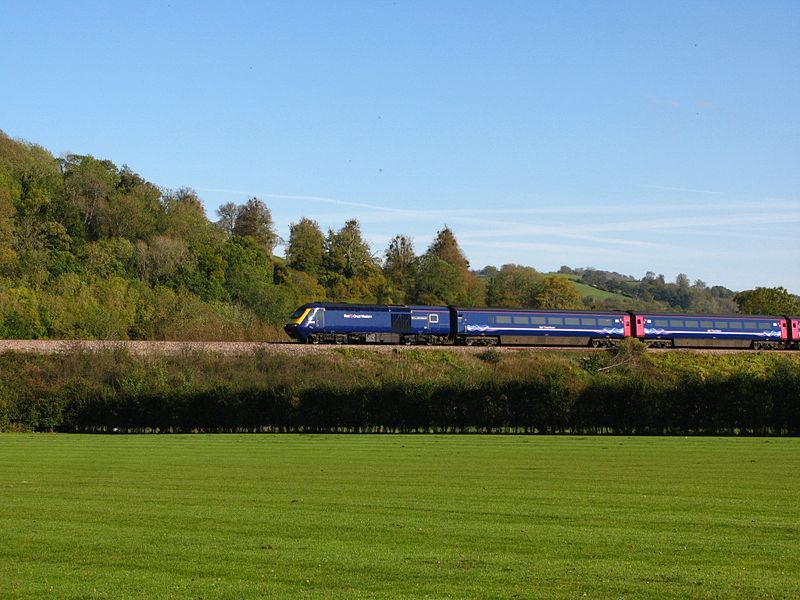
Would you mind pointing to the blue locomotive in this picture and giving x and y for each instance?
(378, 324)
(340, 323)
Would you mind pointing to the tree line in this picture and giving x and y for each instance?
(92, 250)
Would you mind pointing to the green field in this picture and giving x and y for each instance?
(592, 292)
(252, 516)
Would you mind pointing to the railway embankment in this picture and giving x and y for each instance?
(140, 348)
(186, 387)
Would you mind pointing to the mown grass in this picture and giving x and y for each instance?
(321, 516)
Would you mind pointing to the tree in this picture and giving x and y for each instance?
(401, 266)
(767, 301)
(133, 209)
(445, 247)
(227, 214)
(8, 256)
(557, 292)
(346, 251)
(89, 185)
(438, 282)
(513, 286)
(185, 218)
(351, 272)
(161, 260)
(306, 247)
(682, 280)
(254, 220)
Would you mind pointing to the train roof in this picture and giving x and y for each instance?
(665, 315)
(378, 307)
(705, 316)
(544, 311)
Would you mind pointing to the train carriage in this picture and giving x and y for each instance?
(488, 326)
(794, 332)
(667, 330)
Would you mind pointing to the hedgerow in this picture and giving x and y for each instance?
(626, 391)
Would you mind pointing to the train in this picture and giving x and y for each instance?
(343, 323)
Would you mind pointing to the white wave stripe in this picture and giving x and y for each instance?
(772, 333)
(487, 328)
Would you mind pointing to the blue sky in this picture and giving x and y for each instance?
(628, 136)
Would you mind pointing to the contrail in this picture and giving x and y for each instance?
(679, 189)
(324, 199)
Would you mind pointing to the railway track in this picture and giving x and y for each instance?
(244, 348)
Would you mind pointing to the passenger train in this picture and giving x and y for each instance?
(336, 323)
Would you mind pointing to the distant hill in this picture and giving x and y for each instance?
(610, 290)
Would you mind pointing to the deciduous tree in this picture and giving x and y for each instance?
(306, 248)
(347, 253)
(557, 292)
(254, 220)
(400, 268)
(513, 286)
(767, 301)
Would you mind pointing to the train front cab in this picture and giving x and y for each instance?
(305, 321)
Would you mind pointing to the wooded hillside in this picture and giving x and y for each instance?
(89, 249)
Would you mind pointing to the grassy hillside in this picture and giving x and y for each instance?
(588, 291)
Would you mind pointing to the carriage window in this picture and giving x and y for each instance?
(721, 325)
(692, 324)
(604, 322)
(764, 325)
(736, 325)
(555, 321)
(433, 318)
(706, 324)
(588, 321)
(750, 325)
(676, 323)
(660, 322)
(502, 319)
(538, 320)
(571, 321)
(520, 320)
